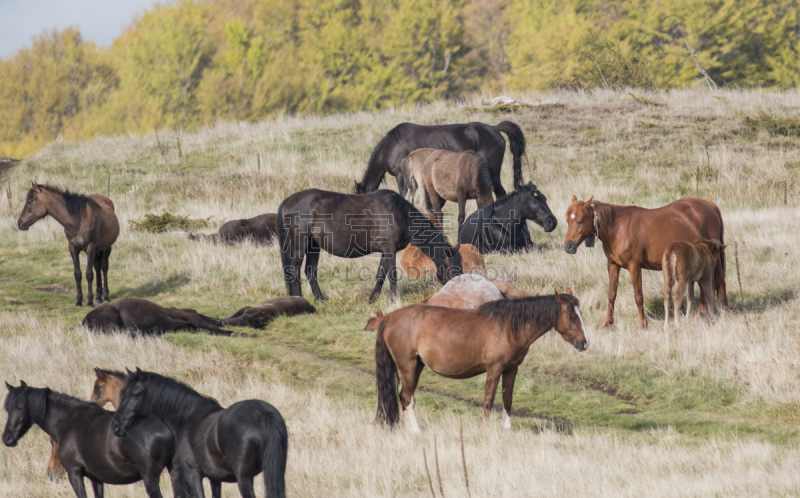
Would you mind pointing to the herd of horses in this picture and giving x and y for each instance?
(473, 325)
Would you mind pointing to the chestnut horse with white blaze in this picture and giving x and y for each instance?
(635, 238)
(463, 343)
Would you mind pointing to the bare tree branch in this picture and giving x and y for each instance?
(712, 85)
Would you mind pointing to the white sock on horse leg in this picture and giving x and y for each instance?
(506, 423)
(412, 417)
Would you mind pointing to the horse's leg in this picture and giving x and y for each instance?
(509, 376)
(76, 264)
(216, 488)
(613, 281)
(636, 277)
(99, 289)
(54, 467)
(97, 487)
(90, 257)
(719, 280)
(104, 268)
(462, 213)
(677, 297)
(151, 484)
(667, 299)
(706, 286)
(492, 379)
(291, 273)
(312, 259)
(246, 483)
(386, 266)
(436, 208)
(401, 184)
(76, 480)
(410, 379)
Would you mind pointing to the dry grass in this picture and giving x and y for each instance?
(705, 410)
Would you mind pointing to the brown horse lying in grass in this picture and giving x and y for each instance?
(455, 177)
(685, 263)
(260, 229)
(146, 317)
(416, 264)
(463, 343)
(90, 225)
(258, 317)
(636, 238)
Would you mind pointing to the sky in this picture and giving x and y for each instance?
(98, 20)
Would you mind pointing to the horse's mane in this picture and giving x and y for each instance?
(38, 399)
(519, 314)
(421, 231)
(501, 203)
(603, 214)
(114, 373)
(76, 203)
(169, 398)
(394, 135)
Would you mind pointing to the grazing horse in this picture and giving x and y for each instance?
(258, 317)
(502, 226)
(685, 263)
(146, 317)
(352, 226)
(416, 265)
(484, 139)
(231, 444)
(636, 238)
(86, 446)
(455, 177)
(260, 229)
(90, 225)
(411, 169)
(463, 343)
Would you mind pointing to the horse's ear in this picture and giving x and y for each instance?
(723, 246)
(100, 374)
(569, 291)
(9, 386)
(128, 371)
(379, 314)
(589, 202)
(574, 199)
(22, 384)
(559, 299)
(35, 186)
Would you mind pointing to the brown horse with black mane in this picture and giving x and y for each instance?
(89, 223)
(463, 343)
(636, 238)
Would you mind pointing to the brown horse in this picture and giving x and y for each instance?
(685, 263)
(260, 229)
(258, 317)
(90, 225)
(635, 238)
(146, 317)
(455, 177)
(463, 343)
(411, 169)
(416, 265)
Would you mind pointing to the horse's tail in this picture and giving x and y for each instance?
(386, 380)
(273, 457)
(669, 269)
(516, 141)
(483, 183)
(718, 285)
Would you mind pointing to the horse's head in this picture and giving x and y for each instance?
(535, 207)
(570, 321)
(580, 225)
(35, 207)
(374, 322)
(713, 245)
(450, 265)
(19, 414)
(107, 388)
(132, 403)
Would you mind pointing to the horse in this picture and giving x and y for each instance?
(260, 229)
(685, 263)
(502, 226)
(484, 139)
(352, 226)
(464, 291)
(148, 318)
(411, 169)
(636, 238)
(455, 177)
(90, 225)
(258, 317)
(86, 446)
(462, 343)
(416, 265)
(231, 444)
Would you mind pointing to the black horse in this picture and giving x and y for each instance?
(352, 226)
(502, 225)
(231, 444)
(86, 446)
(482, 138)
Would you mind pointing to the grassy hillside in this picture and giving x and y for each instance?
(711, 408)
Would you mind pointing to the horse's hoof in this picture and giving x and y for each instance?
(607, 325)
(90, 304)
(54, 474)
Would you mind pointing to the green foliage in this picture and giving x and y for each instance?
(785, 125)
(158, 223)
(602, 64)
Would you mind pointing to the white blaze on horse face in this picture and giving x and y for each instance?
(578, 311)
(412, 418)
(572, 216)
(506, 424)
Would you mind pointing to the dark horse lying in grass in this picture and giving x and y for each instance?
(636, 238)
(260, 229)
(146, 317)
(86, 445)
(352, 226)
(502, 226)
(258, 317)
(482, 138)
(462, 343)
(231, 444)
(90, 225)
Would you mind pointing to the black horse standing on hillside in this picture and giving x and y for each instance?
(352, 226)
(502, 225)
(482, 138)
